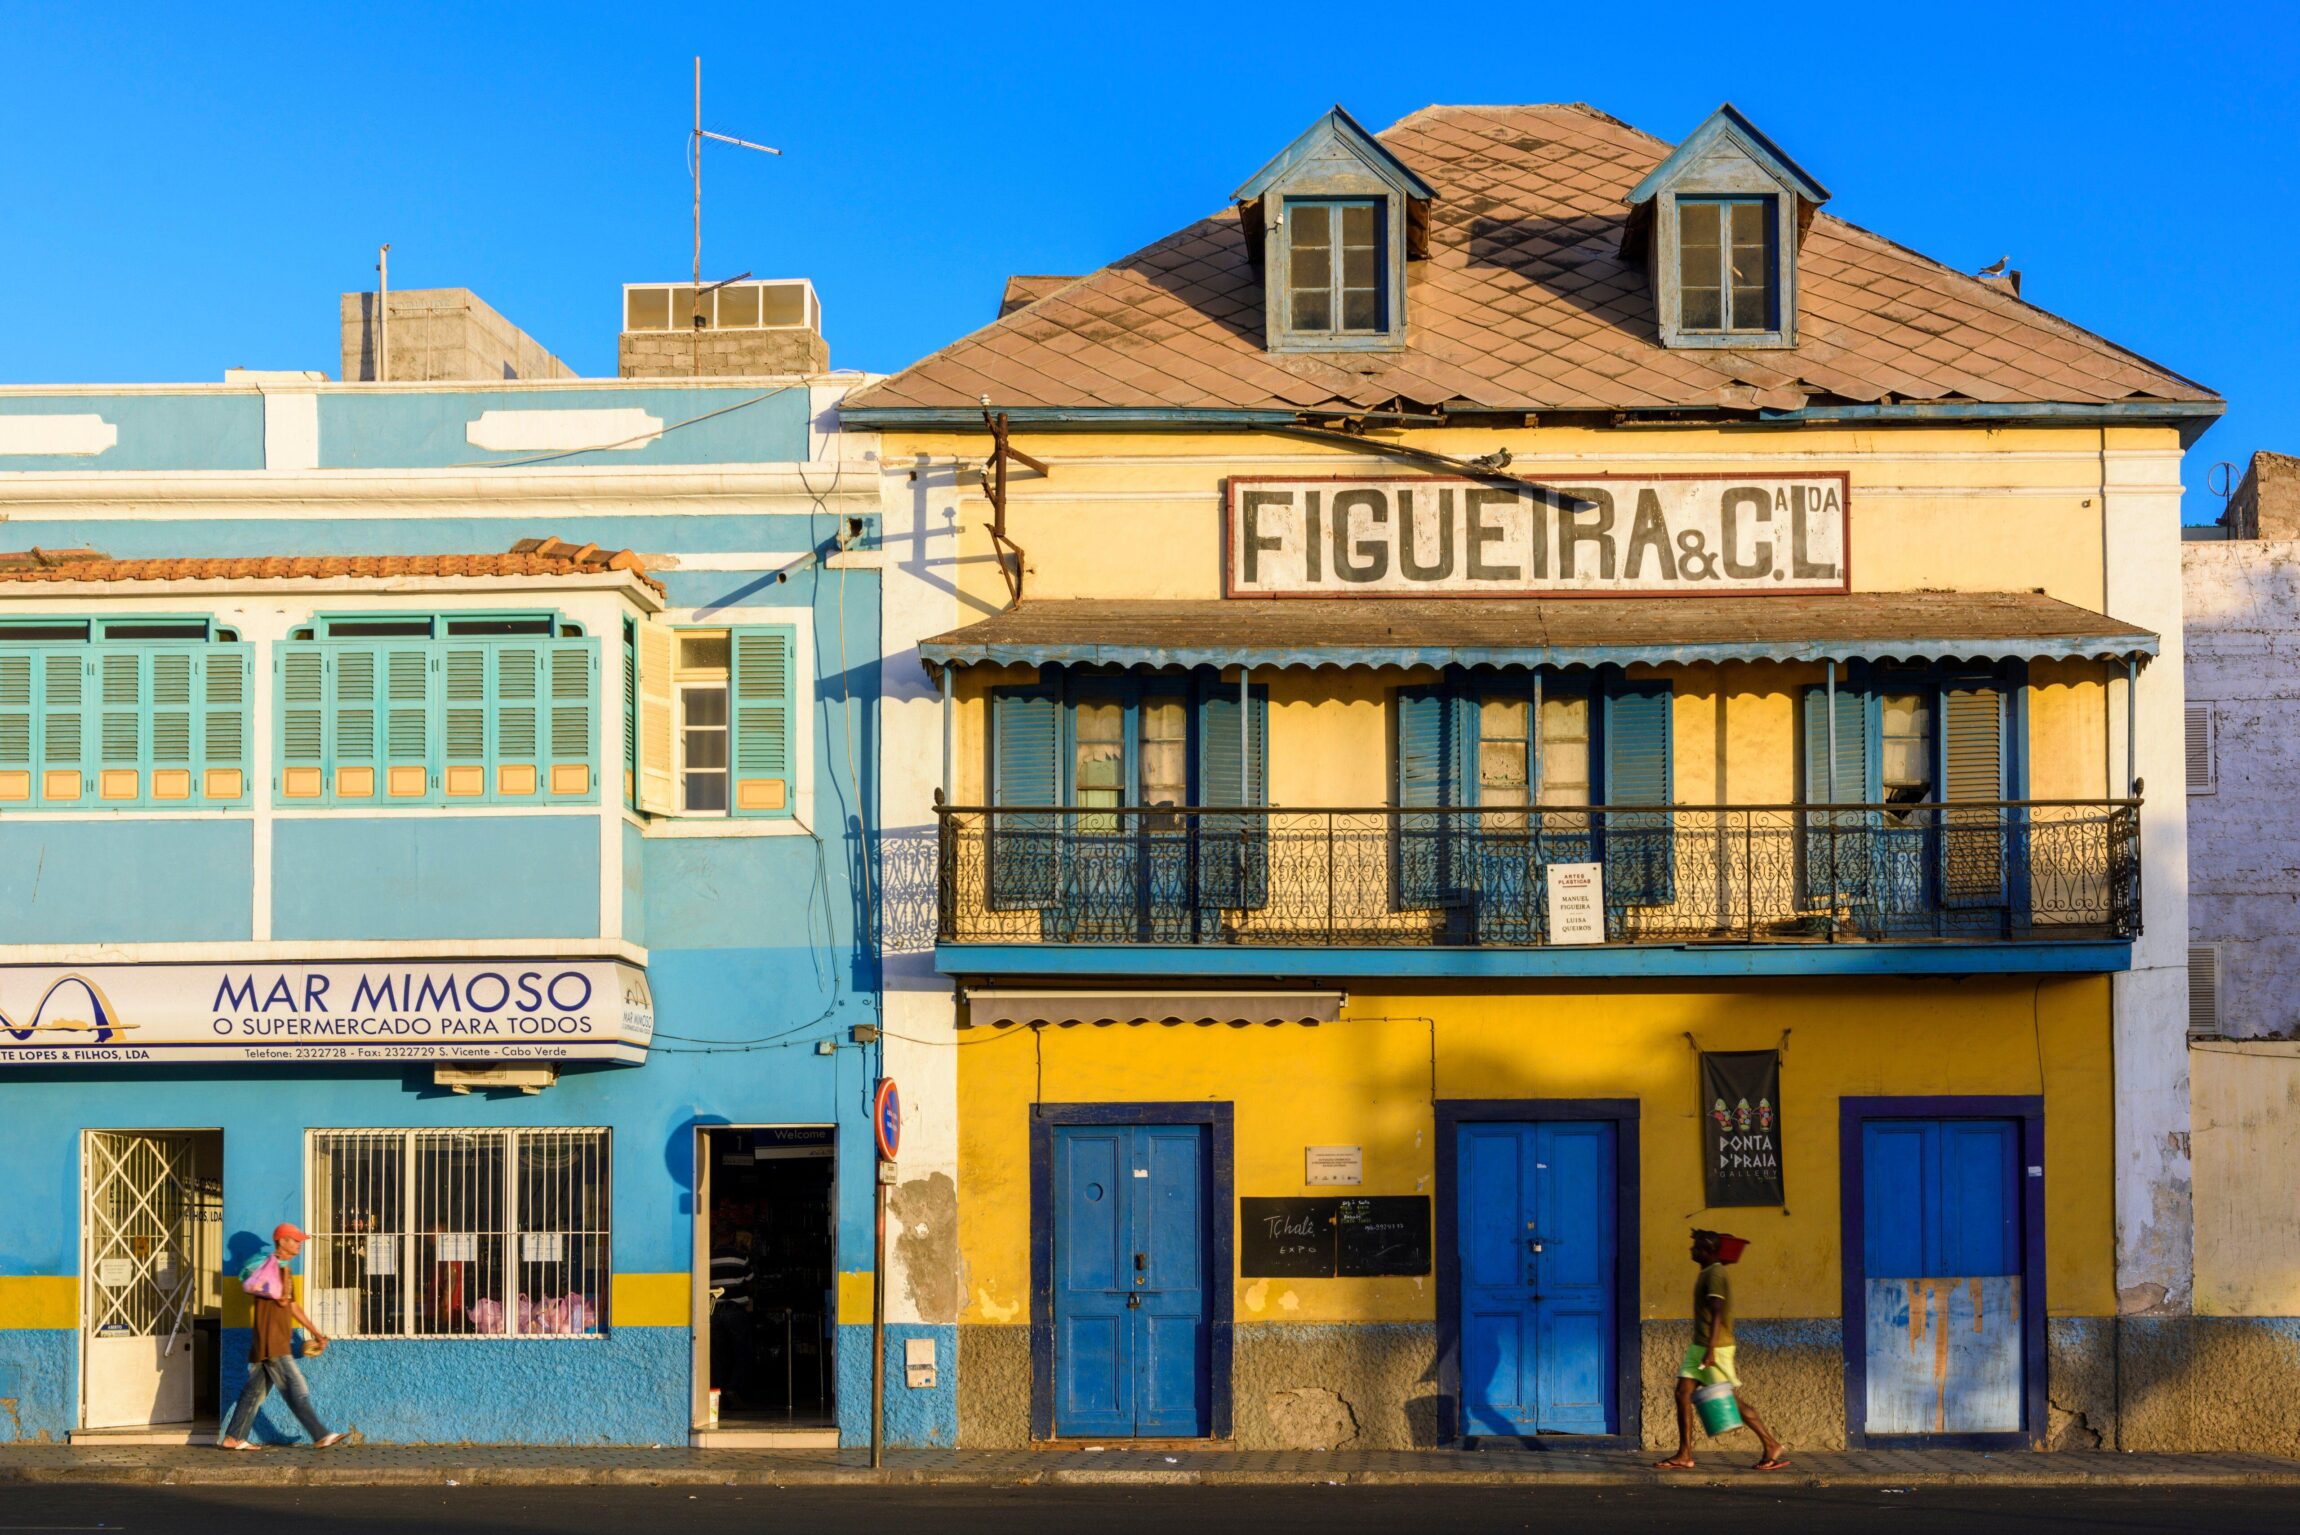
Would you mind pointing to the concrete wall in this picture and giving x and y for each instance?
(436, 335)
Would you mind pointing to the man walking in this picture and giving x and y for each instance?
(271, 1360)
(1710, 1360)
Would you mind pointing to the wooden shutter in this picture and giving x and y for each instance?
(466, 713)
(355, 724)
(409, 686)
(123, 697)
(572, 674)
(1233, 769)
(2204, 991)
(1972, 768)
(19, 736)
(224, 736)
(302, 674)
(173, 747)
(515, 758)
(2202, 746)
(1429, 773)
(658, 745)
(1025, 852)
(65, 727)
(1639, 850)
(760, 709)
(630, 712)
(1850, 848)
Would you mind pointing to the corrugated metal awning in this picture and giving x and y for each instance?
(1003, 1004)
(1584, 631)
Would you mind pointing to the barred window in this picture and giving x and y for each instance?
(458, 1233)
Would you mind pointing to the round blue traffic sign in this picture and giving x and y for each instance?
(886, 1118)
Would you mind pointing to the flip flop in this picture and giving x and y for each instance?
(1672, 1465)
(238, 1445)
(330, 1442)
(1772, 1463)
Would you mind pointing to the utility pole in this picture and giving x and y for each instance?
(695, 168)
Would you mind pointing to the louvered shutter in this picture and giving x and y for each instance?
(1025, 851)
(302, 670)
(355, 724)
(1973, 768)
(174, 679)
(515, 723)
(630, 712)
(466, 711)
(1639, 849)
(123, 695)
(65, 727)
(224, 737)
(2202, 748)
(1836, 865)
(658, 783)
(572, 678)
(760, 720)
(2204, 991)
(1429, 774)
(409, 686)
(18, 737)
(1233, 769)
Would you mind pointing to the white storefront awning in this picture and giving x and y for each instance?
(356, 1010)
(1001, 1004)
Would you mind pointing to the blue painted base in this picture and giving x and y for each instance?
(915, 1416)
(38, 1391)
(629, 1388)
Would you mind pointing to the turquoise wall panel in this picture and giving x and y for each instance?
(759, 534)
(699, 425)
(142, 879)
(156, 431)
(924, 1415)
(634, 877)
(39, 1382)
(415, 875)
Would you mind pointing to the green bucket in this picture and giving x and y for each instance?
(1720, 1413)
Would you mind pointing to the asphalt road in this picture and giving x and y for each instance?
(1124, 1511)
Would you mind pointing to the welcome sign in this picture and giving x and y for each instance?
(405, 1010)
(1592, 535)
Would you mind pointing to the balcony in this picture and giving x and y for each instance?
(1997, 885)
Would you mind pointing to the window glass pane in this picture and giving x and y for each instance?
(459, 1232)
(1098, 766)
(703, 706)
(1358, 225)
(704, 791)
(1312, 225)
(1313, 309)
(560, 1249)
(782, 303)
(683, 308)
(647, 309)
(1361, 310)
(1565, 750)
(1699, 273)
(357, 1259)
(1906, 762)
(738, 305)
(706, 749)
(1751, 277)
(703, 652)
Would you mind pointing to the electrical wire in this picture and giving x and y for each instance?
(632, 441)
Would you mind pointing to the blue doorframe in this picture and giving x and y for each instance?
(1221, 1229)
(1852, 1114)
(1452, 1113)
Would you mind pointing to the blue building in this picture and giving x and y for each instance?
(442, 815)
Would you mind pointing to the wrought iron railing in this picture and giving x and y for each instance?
(2012, 871)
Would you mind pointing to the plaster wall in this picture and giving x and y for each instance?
(2247, 1147)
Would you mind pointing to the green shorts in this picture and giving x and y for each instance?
(1720, 1374)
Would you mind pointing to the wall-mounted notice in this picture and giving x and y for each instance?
(1576, 903)
(542, 1247)
(382, 1256)
(1286, 1238)
(1383, 1235)
(456, 1246)
(1334, 1164)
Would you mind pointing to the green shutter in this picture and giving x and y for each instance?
(572, 676)
(466, 724)
(1836, 864)
(1639, 849)
(301, 675)
(123, 696)
(64, 728)
(1233, 851)
(410, 674)
(1429, 760)
(760, 708)
(1025, 769)
(1973, 768)
(517, 769)
(355, 725)
(18, 750)
(222, 775)
(630, 712)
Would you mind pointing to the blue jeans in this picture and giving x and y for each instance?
(263, 1374)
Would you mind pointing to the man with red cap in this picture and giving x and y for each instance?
(1709, 1361)
(271, 1357)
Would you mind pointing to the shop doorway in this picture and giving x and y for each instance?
(766, 1278)
(151, 1255)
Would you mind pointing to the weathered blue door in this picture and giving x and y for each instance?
(1130, 1322)
(1942, 1240)
(1537, 1278)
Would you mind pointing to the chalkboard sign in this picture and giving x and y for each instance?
(1387, 1235)
(1286, 1238)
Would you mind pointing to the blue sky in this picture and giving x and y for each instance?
(185, 189)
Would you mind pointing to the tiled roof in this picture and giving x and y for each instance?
(528, 557)
(1525, 303)
(1531, 631)
(1023, 291)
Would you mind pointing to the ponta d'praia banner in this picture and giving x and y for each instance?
(530, 1009)
(1741, 1127)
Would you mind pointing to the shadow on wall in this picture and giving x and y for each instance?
(906, 864)
(679, 1156)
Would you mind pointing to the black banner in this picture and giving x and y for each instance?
(1741, 1127)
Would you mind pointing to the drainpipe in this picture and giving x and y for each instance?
(2132, 723)
(946, 734)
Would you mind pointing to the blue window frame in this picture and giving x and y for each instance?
(142, 713)
(1727, 266)
(1337, 267)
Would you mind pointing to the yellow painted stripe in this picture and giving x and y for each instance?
(855, 1293)
(39, 1300)
(651, 1300)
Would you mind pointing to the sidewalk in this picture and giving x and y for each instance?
(472, 1466)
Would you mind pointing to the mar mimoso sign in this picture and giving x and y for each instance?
(514, 1010)
(1595, 535)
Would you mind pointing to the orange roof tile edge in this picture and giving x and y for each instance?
(528, 557)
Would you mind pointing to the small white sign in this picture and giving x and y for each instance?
(382, 1256)
(918, 1363)
(116, 1273)
(167, 1276)
(457, 1246)
(542, 1246)
(1577, 903)
(335, 1312)
(1334, 1164)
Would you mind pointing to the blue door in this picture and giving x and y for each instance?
(1130, 1315)
(1537, 1278)
(1941, 1260)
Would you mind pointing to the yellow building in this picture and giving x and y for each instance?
(1520, 691)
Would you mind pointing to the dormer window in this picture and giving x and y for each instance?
(1718, 223)
(1334, 266)
(1725, 264)
(1330, 224)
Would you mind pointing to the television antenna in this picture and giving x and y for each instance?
(695, 169)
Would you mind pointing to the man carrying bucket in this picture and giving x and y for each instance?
(1707, 1372)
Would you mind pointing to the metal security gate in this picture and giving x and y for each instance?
(140, 1276)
